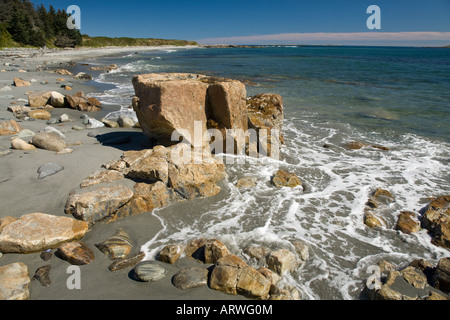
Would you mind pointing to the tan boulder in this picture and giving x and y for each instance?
(21, 83)
(9, 127)
(98, 204)
(39, 100)
(14, 282)
(166, 103)
(50, 141)
(38, 231)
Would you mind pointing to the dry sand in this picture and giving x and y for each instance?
(22, 192)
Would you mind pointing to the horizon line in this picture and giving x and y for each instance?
(334, 37)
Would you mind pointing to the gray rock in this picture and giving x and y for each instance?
(49, 169)
(94, 124)
(52, 121)
(150, 271)
(190, 278)
(54, 130)
(25, 135)
(77, 128)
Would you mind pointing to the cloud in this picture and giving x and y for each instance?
(335, 38)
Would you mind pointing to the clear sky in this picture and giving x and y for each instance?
(266, 21)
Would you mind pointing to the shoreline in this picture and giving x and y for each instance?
(20, 182)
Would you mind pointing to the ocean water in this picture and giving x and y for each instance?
(395, 97)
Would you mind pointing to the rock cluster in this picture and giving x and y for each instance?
(435, 217)
(420, 280)
(164, 177)
(228, 273)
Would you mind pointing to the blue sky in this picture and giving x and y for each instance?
(266, 21)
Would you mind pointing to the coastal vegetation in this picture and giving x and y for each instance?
(24, 25)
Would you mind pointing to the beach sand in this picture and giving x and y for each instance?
(23, 193)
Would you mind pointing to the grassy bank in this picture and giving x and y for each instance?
(128, 42)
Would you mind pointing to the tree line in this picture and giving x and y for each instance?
(36, 26)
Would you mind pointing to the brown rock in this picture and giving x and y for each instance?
(407, 223)
(38, 232)
(171, 253)
(21, 83)
(282, 261)
(441, 277)
(63, 72)
(79, 102)
(253, 284)
(118, 246)
(436, 219)
(224, 279)
(196, 249)
(39, 100)
(39, 114)
(214, 250)
(76, 253)
(146, 198)
(98, 204)
(282, 178)
(127, 262)
(372, 220)
(14, 282)
(42, 274)
(9, 127)
(266, 115)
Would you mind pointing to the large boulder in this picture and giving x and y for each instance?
(38, 231)
(39, 100)
(182, 102)
(98, 204)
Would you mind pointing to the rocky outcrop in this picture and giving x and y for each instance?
(229, 273)
(436, 219)
(38, 232)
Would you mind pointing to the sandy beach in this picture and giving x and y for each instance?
(23, 193)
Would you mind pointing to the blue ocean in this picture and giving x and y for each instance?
(396, 97)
